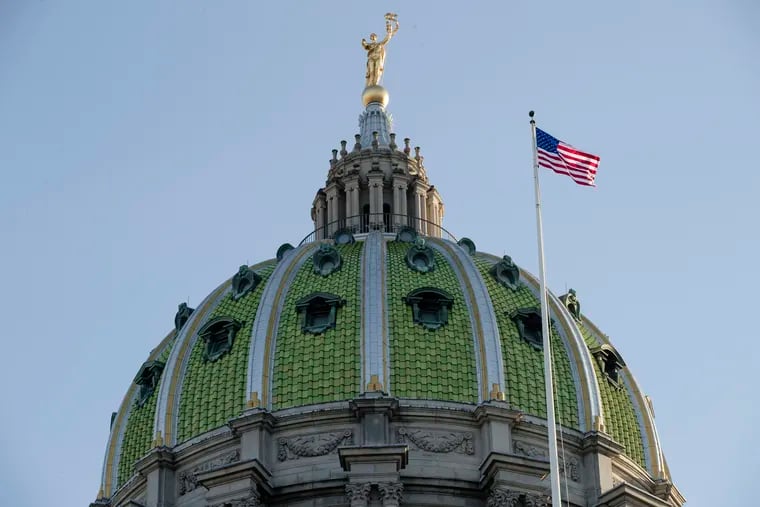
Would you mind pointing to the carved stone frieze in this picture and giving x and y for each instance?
(569, 467)
(358, 494)
(188, 479)
(253, 499)
(437, 441)
(502, 497)
(307, 446)
(525, 449)
(390, 493)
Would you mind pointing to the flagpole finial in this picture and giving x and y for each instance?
(531, 113)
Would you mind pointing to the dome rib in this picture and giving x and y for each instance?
(650, 441)
(214, 391)
(590, 406)
(575, 349)
(111, 461)
(375, 344)
(174, 372)
(486, 337)
(523, 365)
(265, 325)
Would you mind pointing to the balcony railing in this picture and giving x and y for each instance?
(389, 223)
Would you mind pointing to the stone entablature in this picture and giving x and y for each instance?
(376, 451)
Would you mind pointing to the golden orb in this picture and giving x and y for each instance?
(375, 93)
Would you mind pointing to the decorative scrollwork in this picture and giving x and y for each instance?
(438, 441)
(188, 480)
(358, 494)
(309, 446)
(253, 499)
(501, 497)
(390, 493)
(570, 467)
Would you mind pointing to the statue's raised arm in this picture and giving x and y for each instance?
(376, 50)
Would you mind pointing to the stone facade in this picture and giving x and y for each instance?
(378, 451)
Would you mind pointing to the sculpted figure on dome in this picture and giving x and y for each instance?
(376, 50)
(573, 305)
(182, 316)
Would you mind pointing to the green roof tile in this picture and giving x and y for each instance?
(421, 359)
(138, 435)
(619, 413)
(214, 392)
(524, 365)
(305, 372)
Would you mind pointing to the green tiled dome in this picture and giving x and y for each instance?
(275, 362)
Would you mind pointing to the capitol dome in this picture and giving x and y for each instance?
(380, 361)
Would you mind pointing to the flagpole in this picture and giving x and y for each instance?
(550, 418)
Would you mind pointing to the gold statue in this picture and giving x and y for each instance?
(376, 50)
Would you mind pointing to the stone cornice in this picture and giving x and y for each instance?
(252, 469)
(496, 410)
(204, 443)
(252, 419)
(597, 441)
(158, 457)
(374, 405)
(497, 462)
(353, 455)
(627, 495)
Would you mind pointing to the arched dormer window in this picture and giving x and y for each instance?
(219, 335)
(318, 311)
(528, 322)
(147, 378)
(430, 307)
(610, 361)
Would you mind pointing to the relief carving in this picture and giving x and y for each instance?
(358, 494)
(390, 493)
(188, 480)
(437, 441)
(503, 498)
(307, 446)
(253, 499)
(500, 497)
(569, 467)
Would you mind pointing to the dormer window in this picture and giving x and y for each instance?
(430, 307)
(318, 311)
(219, 335)
(610, 361)
(147, 378)
(528, 322)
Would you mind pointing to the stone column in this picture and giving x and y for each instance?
(420, 198)
(332, 209)
(358, 494)
(390, 493)
(352, 202)
(399, 201)
(319, 216)
(375, 182)
(158, 469)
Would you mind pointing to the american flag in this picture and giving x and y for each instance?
(564, 159)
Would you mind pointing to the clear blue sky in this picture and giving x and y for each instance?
(147, 149)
